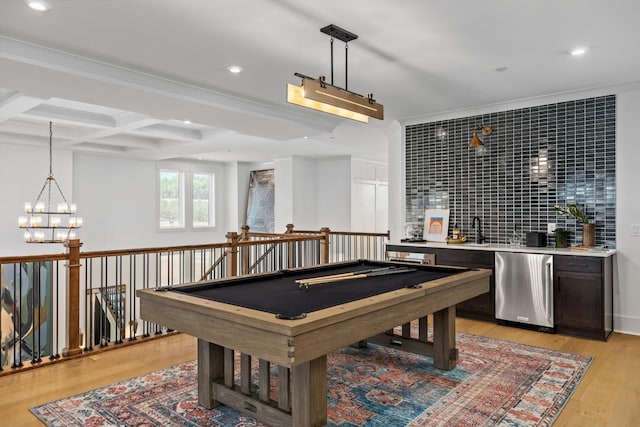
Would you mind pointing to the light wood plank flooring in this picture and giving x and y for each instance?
(609, 395)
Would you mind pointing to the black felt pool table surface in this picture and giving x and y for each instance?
(278, 293)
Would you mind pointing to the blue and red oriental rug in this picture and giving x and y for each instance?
(495, 383)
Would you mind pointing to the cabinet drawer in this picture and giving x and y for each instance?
(578, 264)
(467, 258)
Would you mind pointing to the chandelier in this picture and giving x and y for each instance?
(44, 223)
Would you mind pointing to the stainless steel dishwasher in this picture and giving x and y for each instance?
(524, 288)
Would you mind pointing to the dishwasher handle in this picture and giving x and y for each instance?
(549, 283)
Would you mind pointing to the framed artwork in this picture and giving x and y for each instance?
(261, 201)
(436, 225)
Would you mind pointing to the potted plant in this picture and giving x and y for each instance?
(588, 229)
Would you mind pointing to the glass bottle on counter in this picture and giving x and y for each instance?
(516, 238)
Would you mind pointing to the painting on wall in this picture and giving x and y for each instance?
(261, 201)
(24, 323)
(436, 225)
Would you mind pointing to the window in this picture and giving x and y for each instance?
(186, 199)
(202, 190)
(171, 199)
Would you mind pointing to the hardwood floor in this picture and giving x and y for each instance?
(609, 395)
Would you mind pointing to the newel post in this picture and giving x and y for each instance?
(290, 248)
(324, 245)
(73, 297)
(232, 253)
(245, 253)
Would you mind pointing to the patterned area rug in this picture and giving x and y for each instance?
(495, 383)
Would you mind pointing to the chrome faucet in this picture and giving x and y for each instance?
(479, 237)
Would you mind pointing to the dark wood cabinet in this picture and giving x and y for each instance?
(583, 296)
(582, 288)
(481, 307)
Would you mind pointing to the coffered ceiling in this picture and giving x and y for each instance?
(120, 77)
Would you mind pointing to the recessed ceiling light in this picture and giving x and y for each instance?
(186, 122)
(39, 5)
(235, 69)
(578, 51)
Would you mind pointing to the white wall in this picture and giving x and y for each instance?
(627, 293)
(304, 197)
(118, 201)
(396, 182)
(627, 289)
(284, 193)
(333, 193)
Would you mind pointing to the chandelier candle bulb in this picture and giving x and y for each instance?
(27, 236)
(39, 236)
(22, 221)
(54, 221)
(28, 208)
(39, 207)
(72, 208)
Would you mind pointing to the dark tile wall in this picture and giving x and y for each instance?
(536, 158)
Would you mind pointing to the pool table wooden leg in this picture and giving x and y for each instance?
(309, 394)
(445, 354)
(210, 368)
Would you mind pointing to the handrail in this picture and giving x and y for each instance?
(73, 276)
(33, 258)
(117, 252)
(346, 233)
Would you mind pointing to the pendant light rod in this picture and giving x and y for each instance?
(345, 36)
(346, 66)
(331, 42)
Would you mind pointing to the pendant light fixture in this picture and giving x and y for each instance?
(319, 95)
(42, 223)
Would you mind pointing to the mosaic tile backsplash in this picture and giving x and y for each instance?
(535, 158)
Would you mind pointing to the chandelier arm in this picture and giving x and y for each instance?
(59, 189)
(46, 181)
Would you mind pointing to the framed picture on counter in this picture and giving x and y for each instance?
(436, 225)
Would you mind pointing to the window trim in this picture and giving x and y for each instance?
(182, 211)
(187, 172)
(212, 200)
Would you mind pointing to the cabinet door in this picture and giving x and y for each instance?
(483, 306)
(578, 300)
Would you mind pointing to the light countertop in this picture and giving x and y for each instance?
(597, 251)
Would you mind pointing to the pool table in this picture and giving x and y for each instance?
(292, 319)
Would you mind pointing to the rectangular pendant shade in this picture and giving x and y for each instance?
(295, 95)
(329, 99)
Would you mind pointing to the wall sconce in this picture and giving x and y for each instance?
(475, 140)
